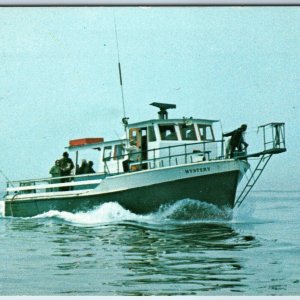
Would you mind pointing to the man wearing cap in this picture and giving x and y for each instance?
(236, 141)
(66, 165)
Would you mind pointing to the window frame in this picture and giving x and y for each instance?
(181, 125)
(168, 125)
(206, 128)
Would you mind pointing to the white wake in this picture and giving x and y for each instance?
(186, 210)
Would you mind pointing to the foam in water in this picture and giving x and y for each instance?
(189, 209)
(1, 208)
(183, 210)
(106, 213)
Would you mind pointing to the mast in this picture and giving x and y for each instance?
(124, 119)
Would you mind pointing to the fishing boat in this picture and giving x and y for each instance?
(176, 159)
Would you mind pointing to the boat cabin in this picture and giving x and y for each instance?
(160, 142)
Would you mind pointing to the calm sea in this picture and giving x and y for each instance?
(188, 248)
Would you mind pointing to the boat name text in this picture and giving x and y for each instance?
(197, 170)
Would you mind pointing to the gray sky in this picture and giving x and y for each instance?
(59, 76)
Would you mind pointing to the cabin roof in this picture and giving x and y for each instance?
(96, 145)
(171, 121)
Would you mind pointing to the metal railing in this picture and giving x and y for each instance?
(273, 136)
(156, 158)
(167, 156)
(274, 143)
(54, 184)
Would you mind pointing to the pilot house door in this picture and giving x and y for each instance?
(139, 135)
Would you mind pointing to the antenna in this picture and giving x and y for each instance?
(124, 119)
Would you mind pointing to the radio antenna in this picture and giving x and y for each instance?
(124, 119)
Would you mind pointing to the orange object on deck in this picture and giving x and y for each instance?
(85, 141)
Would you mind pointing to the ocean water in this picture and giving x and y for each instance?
(189, 248)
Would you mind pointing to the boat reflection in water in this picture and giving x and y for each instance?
(189, 259)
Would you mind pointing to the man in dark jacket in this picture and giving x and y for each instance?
(237, 140)
(66, 165)
(83, 168)
(90, 167)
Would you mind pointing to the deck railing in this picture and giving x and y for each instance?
(273, 136)
(159, 158)
(54, 184)
(169, 156)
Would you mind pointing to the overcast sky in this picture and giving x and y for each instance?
(59, 76)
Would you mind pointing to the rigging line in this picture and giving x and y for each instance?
(7, 179)
(119, 67)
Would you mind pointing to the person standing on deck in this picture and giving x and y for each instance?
(236, 141)
(90, 169)
(83, 168)
(67, 166)
(55, 171)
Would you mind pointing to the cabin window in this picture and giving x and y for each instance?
(187, 132)
(119, 152)
(167, 132)
(133, 133)
(206, 132)
(151, 134)
(107, 153)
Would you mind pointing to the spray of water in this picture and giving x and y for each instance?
(106, 213)
(186, 210)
